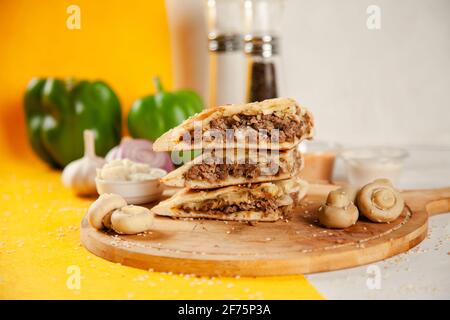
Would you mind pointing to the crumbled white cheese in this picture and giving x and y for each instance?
(127, 170)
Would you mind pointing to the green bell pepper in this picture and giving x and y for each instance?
(58, 111)
(151, 116)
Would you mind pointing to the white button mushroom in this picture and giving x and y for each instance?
(379, 201)
(131, 219)
(339, 210)
(100, 210)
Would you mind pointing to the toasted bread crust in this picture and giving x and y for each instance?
(173, 139)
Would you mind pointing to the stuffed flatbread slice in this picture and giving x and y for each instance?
(268, 201)
(277, 124)
(233, 167)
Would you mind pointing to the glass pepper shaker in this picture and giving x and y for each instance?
(226, 67)
(262, 49)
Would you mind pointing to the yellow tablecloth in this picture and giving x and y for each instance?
(40, 247)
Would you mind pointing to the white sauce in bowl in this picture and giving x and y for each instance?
(367, 164)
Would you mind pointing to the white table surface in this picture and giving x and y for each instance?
(421, 273)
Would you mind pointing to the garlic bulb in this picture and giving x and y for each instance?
(80, 174)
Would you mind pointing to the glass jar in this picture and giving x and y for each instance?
(262, 49)
(226, 66)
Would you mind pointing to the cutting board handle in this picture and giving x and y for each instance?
(433, 201)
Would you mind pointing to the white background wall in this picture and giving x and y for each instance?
(387, 86)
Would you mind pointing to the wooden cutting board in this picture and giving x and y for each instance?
(297, 246)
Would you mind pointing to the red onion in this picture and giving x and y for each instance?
(140, 150)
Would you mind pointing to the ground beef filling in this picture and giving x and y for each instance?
(289, 128)
(215, 206)
(219, 172)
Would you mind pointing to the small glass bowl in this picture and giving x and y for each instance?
(365, 164)
(319, 158)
